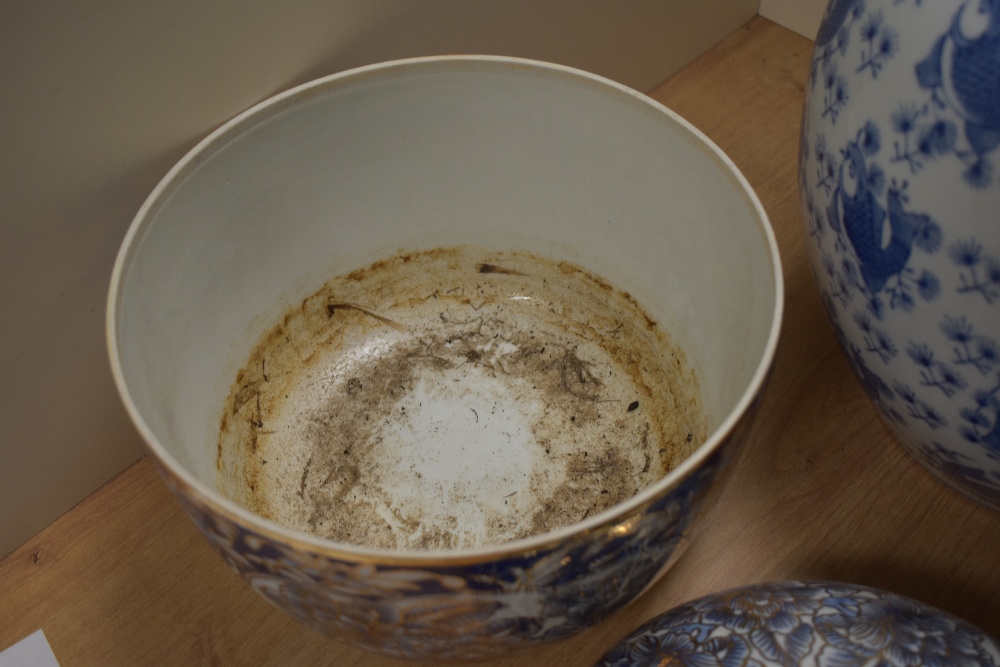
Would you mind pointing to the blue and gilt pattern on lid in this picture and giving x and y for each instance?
(810, 624)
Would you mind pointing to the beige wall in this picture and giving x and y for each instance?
(802, 16)
(100, 98)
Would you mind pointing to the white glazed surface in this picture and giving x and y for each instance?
(421, 154)
(892, 121)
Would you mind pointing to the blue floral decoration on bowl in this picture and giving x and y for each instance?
(810, 624)
(442, 611)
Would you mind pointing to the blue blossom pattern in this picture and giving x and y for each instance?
(814, 220)
(877, 341)
(880, 43)
(980, 352)
(934, 373)
(878, 391)
(834, 34)
(826, 165)
(793, 623)
(836, 94)
(843, 277)
(982, 422)
(979, 273)
(918, 409)
(923, 140)
(908, 271)
(963, 474)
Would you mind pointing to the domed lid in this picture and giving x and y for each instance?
(820, 624)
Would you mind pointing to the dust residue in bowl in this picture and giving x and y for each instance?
(456, 398)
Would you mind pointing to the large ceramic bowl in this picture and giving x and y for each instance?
(902, 200)
(417, 154)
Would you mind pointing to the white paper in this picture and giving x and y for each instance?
(32, 651)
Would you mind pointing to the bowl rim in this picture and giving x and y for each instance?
(268, 108)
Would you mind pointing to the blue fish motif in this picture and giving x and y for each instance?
(964, 66)
(855, 209)
(835, 17)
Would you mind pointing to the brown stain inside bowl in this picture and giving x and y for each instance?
(456, 398)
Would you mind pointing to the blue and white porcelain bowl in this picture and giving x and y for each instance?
(900, 183)
(507, 154)
(805, 624)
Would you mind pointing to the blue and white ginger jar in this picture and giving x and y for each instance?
(900, 182)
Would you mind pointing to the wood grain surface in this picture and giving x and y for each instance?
(820, 492)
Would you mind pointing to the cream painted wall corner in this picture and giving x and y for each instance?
(802, 16)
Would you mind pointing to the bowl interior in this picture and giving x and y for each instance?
(421, 154)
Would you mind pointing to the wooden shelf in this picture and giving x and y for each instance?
(821, 491)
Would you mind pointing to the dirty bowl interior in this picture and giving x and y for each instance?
(416, 155)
